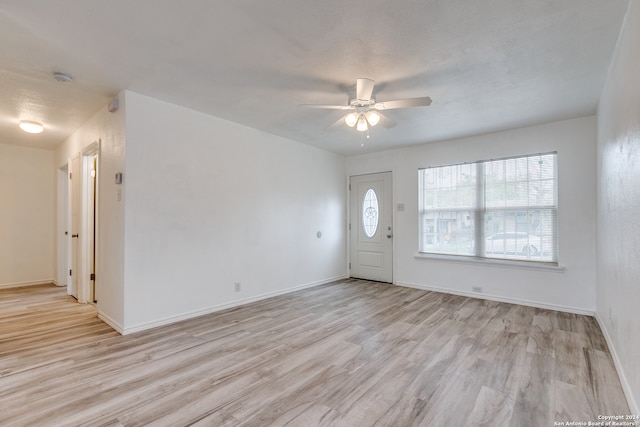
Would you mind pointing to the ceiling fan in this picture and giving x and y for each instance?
(364, 111)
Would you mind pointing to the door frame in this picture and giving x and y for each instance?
(62, 275)
(74, 246)
(87, 245)
(349, 224)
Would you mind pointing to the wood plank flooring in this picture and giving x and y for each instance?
(350, 353)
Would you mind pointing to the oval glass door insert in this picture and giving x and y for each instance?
(370, 213)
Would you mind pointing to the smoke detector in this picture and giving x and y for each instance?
(62, 77)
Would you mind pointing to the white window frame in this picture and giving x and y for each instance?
(479, 212)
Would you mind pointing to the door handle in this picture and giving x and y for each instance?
(389, 235)
(74, 236)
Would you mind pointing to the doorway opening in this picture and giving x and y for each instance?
(80, 229)
(89, 213)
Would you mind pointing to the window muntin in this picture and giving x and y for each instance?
(504, 209)
(370, 213)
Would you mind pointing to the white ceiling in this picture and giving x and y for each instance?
(488, 65)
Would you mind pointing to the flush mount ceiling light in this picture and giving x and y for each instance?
(31, 127)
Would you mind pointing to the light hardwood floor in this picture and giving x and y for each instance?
(350, 353)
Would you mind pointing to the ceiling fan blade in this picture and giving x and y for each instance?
(327, 107)
(364, 89)
(337, 123)
(403, 103)
(386, 122)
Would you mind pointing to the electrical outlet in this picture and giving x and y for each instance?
(477, 289)
(237, 286)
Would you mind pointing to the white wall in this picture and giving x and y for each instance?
(109, 129)
(618, 284)
(210, 203)
(27, 216)
(572, 289)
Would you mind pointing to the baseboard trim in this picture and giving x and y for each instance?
(109, 321)
(626, 388)
(172, 319)
(567, 309)
(29, 283)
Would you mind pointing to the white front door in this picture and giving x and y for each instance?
(371, 235)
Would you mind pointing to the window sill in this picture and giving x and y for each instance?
(487, 262)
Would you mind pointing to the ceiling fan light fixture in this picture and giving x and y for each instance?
(31, 127)
(351, 119)
(362, 124)
(373, 117)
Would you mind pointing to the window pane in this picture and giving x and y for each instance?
(448, 232)
(450, 187)
(520, 234)
(525, 181)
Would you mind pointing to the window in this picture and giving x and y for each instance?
(370, 213)
(501, 209)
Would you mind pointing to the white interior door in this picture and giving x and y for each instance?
(74, 193)
(371, 235)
